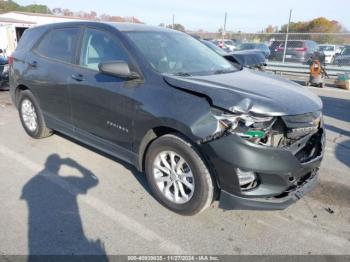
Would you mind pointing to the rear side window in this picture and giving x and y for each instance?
(60, 44)
(24, 40)
(30, 38)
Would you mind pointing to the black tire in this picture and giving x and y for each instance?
(41, 131)
(203, 192)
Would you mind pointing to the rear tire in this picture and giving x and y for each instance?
(31, 116)
(178, 176)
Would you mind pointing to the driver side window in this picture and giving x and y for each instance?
(99, 47)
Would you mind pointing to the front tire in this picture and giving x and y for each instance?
(178, 176)
(31, 116)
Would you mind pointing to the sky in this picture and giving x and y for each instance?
(208, 15)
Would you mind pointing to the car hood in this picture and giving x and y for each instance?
(257, 92)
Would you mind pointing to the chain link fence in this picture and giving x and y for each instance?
(294, 47)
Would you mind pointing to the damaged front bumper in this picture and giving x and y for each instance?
(230, 201)
(283, 175)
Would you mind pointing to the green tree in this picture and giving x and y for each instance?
(323, 25)
(317, 25)
(36, 9)
(270, 29)
(9, 6)
(178, 27)
(324, 29)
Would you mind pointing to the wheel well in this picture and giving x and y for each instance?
(150, 136)
(18, 90)
(156, 132)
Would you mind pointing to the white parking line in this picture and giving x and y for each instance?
(103, 208)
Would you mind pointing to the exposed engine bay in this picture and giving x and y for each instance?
(299, 134)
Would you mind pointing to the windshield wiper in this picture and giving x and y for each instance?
(221, 71)
(182, 74)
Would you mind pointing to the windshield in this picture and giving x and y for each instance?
(346, 51)
(326, 48)
(178, 53)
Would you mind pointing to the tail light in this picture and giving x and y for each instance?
(10, 60)
(301, 49)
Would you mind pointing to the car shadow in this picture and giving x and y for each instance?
(342, 152)
(338, 130)
(54, 221)
(342, 149)
(337, 108)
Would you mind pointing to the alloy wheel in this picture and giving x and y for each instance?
(173, 177)
(29, 115)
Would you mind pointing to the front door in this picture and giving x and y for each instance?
(102, 105)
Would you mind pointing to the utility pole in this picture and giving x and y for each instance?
(224, 30)
(287, 34)
(173, 21)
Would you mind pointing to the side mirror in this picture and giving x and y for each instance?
(117, 68)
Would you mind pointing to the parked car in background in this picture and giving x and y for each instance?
(219, 43)
(248, 58)
(226, 45)
(199, 127)
(273, 49)
(257, 46)
(343, 59)
(236, 42)
(253, 59)
(329, 51)
(297, 50)
(4, 72)
(230, 45)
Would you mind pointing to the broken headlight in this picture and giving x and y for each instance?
(250, 127)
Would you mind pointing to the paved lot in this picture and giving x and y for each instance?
(59, 197)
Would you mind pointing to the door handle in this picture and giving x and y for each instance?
(78, 77)
(33, 64)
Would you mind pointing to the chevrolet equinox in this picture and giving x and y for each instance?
(199, 127)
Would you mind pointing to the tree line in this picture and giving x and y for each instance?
(10, 6)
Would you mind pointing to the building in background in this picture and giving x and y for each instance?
(13, 24)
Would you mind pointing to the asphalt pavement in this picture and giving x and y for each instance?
(60, 197)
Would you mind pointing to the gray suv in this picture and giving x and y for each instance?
(199, 127)
(297, 50)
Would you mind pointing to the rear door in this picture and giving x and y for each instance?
(102, 104)
(49, 69)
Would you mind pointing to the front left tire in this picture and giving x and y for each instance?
(178, 176)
